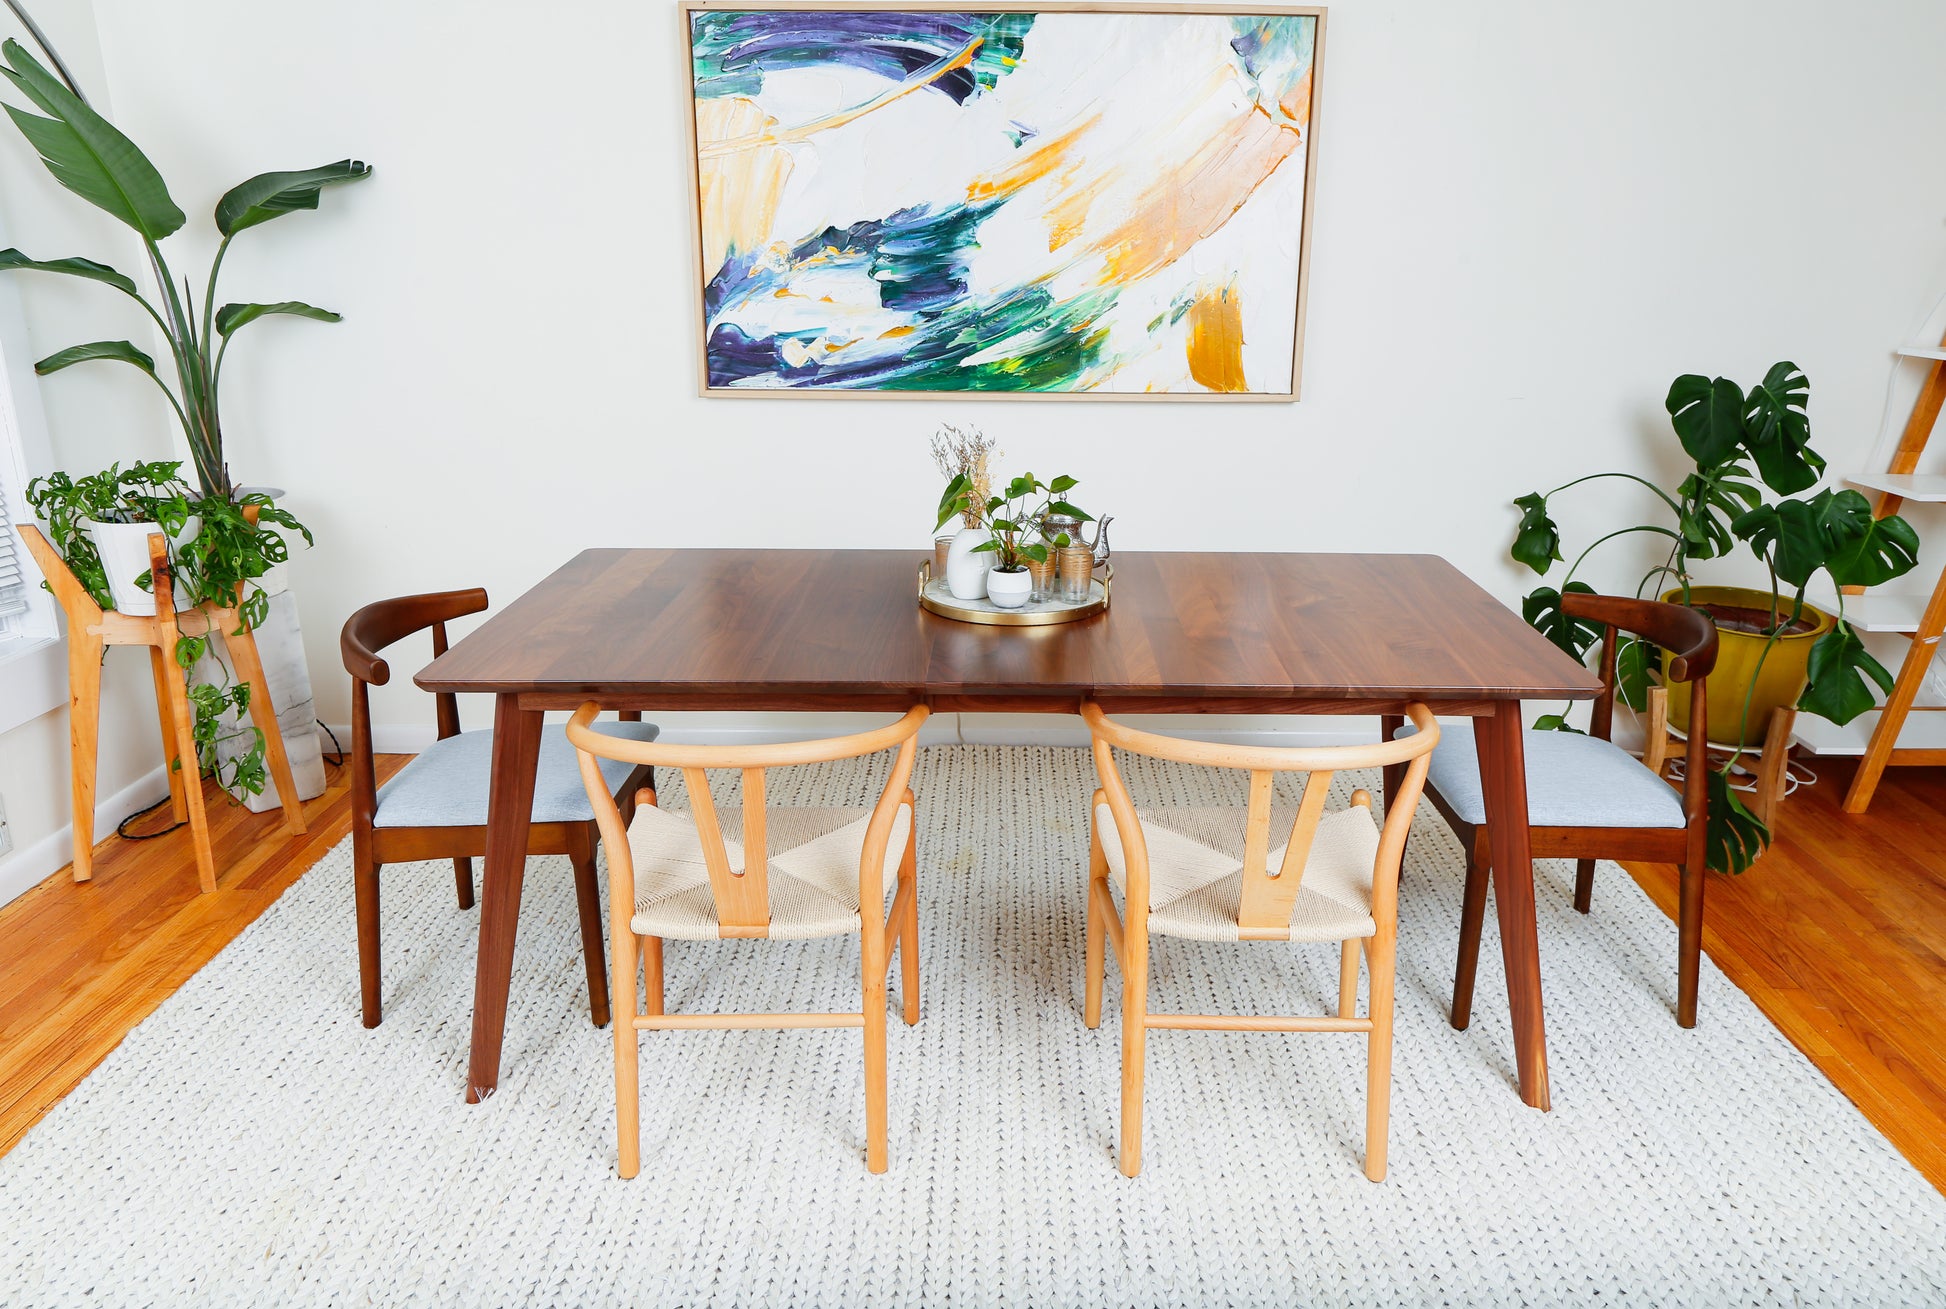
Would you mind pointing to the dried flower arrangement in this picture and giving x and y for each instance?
(966, 453)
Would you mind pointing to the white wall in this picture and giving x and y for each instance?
(1530, 217)
(111, 413)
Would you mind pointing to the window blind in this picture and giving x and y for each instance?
(13, 572)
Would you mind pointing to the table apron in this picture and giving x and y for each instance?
(946, 702)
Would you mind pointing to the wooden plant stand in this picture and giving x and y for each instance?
(90, 630)
(1773, 759)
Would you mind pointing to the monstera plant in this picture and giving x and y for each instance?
(1752, 458)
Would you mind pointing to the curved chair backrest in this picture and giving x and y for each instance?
(1268, 895)
(383, 622)
(369, 631)
(742, 898)
(1689, 635)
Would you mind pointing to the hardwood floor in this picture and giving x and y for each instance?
(80, 965)
(1839, 934)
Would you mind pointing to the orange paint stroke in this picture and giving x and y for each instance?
(917, 82)
(1033, 165)
(1196, 197)
(738, 192)
(1298, 103)
(1215, 341)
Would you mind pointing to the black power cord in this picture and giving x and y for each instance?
(121, 828)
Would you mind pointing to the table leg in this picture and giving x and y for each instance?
(510, 810)
(1503, 777)
(1394, 773)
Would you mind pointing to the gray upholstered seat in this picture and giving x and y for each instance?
(1572, 781)
(446, 785)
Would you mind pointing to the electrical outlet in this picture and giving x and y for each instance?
(6, 833)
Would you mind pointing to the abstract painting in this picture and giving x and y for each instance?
(1055, 201)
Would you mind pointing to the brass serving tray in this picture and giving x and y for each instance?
(935, 598)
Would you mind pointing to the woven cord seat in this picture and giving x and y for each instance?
(813, 867)
(1196, 871)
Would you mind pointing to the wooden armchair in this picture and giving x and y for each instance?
(1186, 873)
(786, 874)
(1587, 799)
(436, 806)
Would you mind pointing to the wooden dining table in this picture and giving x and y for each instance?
(824, 630)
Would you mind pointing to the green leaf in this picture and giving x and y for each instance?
(1555, 723)
(1708, 417)
(1542, 610)
(1537, 541)
(1711, 502)
(985, 546)
(86, 153)
(1777, 430)
(1073, 511)
(231, 317)
(953, 500)
(1787, 533)
(1734, 836)
(75, 267)
(272, 195)
(1839, 665)
(123, 351)
(1632, 663)
(1885, 549)
(1833, 530)
(1062, 485)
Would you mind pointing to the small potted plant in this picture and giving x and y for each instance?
(1776, 649)
(1008, 523)
(220, 545)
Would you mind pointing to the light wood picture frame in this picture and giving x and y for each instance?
(1062, 200)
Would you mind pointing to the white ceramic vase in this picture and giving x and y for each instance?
(966, 572)
(1010, 590)
(124, 551)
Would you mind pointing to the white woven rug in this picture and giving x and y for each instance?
(252, 1144)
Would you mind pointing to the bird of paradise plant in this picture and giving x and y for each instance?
(90, 157)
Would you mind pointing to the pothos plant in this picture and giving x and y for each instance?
(1007, 516)
(219, 562)
(1741, 445)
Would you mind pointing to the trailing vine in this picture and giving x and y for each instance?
(218, 563)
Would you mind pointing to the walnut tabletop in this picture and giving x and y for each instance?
(786, 630)
(842, 629)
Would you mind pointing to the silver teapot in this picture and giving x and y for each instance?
(1055, 525)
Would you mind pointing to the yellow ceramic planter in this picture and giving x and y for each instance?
(1779, 682)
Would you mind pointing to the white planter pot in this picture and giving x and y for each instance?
(280, 645)
(966, 572)
(124, 551)
(1009, 590)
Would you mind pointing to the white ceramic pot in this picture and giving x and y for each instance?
(124, 551)
(1010, 590)
(966, 572)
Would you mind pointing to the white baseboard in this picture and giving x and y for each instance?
(33, 864)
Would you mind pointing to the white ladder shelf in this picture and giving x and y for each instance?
(1886, 736)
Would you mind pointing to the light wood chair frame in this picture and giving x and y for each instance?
(92, 629)
(1267, 899)
(1689, 637)
(743, 902)
(375, 627)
